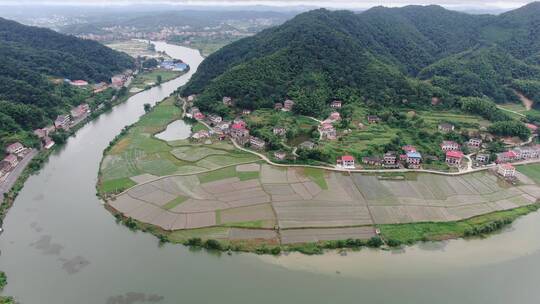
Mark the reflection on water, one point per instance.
(176, 130)
(520, 240)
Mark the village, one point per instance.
(17, 156)
(469, 156)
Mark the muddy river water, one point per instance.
(60, 245)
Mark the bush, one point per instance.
(374, 242)
(393, 243)
(212, 245)
(195, 242)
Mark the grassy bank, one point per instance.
(3, 283)
(392, 235)
(475, 226)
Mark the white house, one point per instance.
(506, 170)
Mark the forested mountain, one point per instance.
(383, 55)
(29, 56)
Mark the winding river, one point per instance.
(61, 246)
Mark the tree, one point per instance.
(147, 107)
(159, 79)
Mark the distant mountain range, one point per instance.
(29, 56)
(382, 55)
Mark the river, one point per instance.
(60, 245)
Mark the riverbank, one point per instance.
(42, 156)
(200, 193)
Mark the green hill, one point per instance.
(29, 56)
(383, 55)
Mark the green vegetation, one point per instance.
(117, 185)
(317, 176)
(29, 58)
(175, 202)
(479, 225)
(383, 56)
(3, 283)
(243, 176)
(3, 280)
(216, 175)
(531, 170)
(248, 224)
(136, 151)
(510, 128)
(146, 79)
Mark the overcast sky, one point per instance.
(352, 4)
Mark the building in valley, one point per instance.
(239, 133)
(474, 143)
(346, 162)
(257, 143)
(446, 127)
(80, 111)
(482, 158)
(506, 170)
(280, 155)
(16, 149)
(414, 160)
(62, 122)
(373, 119)
(390, 159)
(449, 145)
(288, 105)
(454, 158)
(336, 104)
(279, 131)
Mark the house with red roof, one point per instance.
(408, 148)
(198, 116)
(9, 162)
(531, 127)
(239, 133)
(15, 148)
(507, 156)
(334, 116)
(80, 111)
(454, 158)
(79, 83)
(346, 162)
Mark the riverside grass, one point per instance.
(431, 231)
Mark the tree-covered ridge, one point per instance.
(48, 52)
(29, 57)
(383, 55)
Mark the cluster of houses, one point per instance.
(15, 152)
(235, 129)
(519, 154)
(77, 114)
(410, 158)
